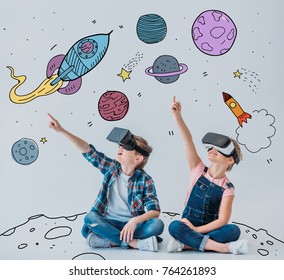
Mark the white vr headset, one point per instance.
(223, 144)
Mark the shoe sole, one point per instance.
(155, 244)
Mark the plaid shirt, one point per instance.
(141, 188)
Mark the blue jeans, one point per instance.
(110, 229)
(195, 240)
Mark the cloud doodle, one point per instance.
(256, 134)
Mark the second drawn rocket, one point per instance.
(236, 108)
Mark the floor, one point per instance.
(48, 238)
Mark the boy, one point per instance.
(118, 216)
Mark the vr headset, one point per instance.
(223, 144)
(123, 137)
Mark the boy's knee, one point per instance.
(159, 224)
(91, 218)
(85, 231)
(154, 226)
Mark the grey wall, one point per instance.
(60, 182)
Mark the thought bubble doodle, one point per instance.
(256, 134)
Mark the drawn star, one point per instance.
(237, 74)
(124, 74)
(43, 140)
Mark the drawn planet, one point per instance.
(214, 32)
(25, 151)
(166, 69)
(151, 28)
(113, 105)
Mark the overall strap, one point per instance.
(205, 170)
(230, 185)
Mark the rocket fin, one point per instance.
(243, 118)
(54, 64)
(72, 87)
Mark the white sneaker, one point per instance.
(174, 245)
(148, 244)
(96, 241)
(239, 247)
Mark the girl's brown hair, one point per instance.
(142, 143)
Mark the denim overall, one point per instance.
(202, 208)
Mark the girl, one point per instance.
(204, 224)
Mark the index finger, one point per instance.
(174, 99)
(51, 117)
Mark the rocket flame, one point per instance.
(45, 88)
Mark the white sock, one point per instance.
(239, 247)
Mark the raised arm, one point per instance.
(191, 153)
(79, 143)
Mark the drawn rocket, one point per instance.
(81, 58)
(236, 108)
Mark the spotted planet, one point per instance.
(166, 69)
(113, 105)
(214, 32)
(151, 28)
(25, 151)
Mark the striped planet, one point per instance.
(151, 28)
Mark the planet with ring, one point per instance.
(166, 69)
